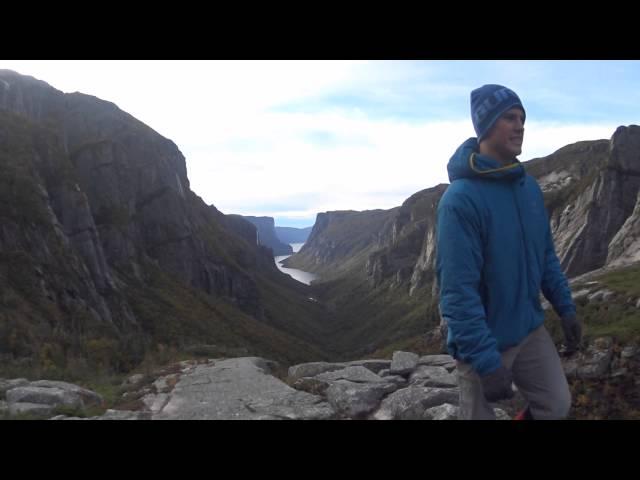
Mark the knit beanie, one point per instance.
(488, 103)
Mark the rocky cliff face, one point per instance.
(267, 236)
(591, 189)
(94, 202)
(408, 252)
(341, 241)
(131, 199)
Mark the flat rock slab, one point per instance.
(239, 389)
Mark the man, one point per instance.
(495, 253)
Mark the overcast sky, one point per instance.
(289, 139)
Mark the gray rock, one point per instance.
(594, 362)
(595, 366)
(37, 409)
(352, 374)
(403, 363)
(442, 412)
(376, 366)
(87, 397)
(436, 360)
(123, 415)
(638, 303)
(312, 369)
(4, 407)
(355, 400)
(110, 415)
(501, 414)
(410, 403)
(625, 246)
(9, 384)
(50, 396)
(432, 376)
(396, 379)
(155, 403)
(452, 412)
(162, 385)
(311, 385)
(239, 389)
(629, 352)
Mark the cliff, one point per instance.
(267, 236)
(107, 253)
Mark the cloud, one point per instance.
(387, 161)
(292, 138)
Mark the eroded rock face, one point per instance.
(266, 235)
(93, 201)
(591, 190)
(625, 245)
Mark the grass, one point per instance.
(625, 281)
(368, 322)
(617, 317)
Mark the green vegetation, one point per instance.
(625, 281)
(368, 322)
(618, 317)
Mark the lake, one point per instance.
(299, 275)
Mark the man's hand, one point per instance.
(572, 332)
(497, 384)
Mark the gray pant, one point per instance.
(537, 373)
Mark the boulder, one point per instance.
(355, 400)
(36, 409)
(312, 369)
(441, 412)
(403, 363)
(431, 376)
(410, 403)
(352, 374)
(376, 366)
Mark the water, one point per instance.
(299, 275)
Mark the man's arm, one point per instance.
(459, 263)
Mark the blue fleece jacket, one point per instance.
(495, 253)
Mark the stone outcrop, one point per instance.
(596, 200)
(96, 213)
(236, 389)
(42, 397)
(247, 388)
(267, 236)
(340, 242)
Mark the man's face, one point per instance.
(507, 134)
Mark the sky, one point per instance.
(290, 139)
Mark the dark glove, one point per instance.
(497, 384)
(572, 332)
